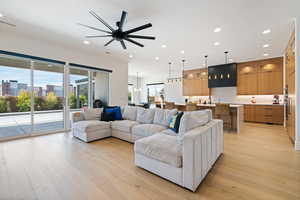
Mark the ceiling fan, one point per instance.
(119, 34)
(4, 22)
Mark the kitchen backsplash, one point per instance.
(223, 95)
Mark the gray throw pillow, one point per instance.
(145, 116)
(129, 113)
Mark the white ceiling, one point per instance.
(181, 25)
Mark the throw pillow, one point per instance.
(177, 122)
(145, 116)
(108, 116)
(172, 122)
(116, 110)
(92, 114)
(163, 116)
(130, 113)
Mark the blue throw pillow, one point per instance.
(116, 111)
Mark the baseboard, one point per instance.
(297, 145)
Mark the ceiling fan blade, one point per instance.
(134, 42)
(97, 29)
(9, 24)
(97, 36)
(101, 20)
(138, 28)
(122, 21)
(141, 37)
(123, 44)
(110, 41)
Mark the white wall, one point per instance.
(297, 31)
(16, 42)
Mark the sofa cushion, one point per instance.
(123, 125)
(163, 116)
(129, 113)
(191, 120)
(160, 147)
(92, 114)
(91, 125)
(145, 116)
(169, 132)
(145, 130)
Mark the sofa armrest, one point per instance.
(77, 116)
(201, 148)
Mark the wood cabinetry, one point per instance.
(273, 114)
(290, 84)
(247, 78)
(263, 77)
(195, 83)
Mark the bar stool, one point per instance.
(191, 107)
(222, 111)
(170, 105)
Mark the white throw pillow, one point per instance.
(92, 114)
(163, 116)
(129, 113)
(145, 116)
(191, 120)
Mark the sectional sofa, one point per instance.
(184, 158)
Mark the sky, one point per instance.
(41, 78)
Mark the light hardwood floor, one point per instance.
(259, 163)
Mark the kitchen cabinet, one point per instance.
(195, 83)
(273, 114)
(247, 79)
(262, 77)
(270, 77)
(290, 64)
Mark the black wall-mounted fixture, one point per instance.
(222, 75)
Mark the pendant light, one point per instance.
(137, 88)
(169, 78)
(181, 78)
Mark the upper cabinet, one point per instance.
(195, 83)
(247, 79)
(263, 77)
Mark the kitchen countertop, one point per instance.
(263, 104)
(214, 105)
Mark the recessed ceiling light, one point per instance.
(266, 45)
(86, 42)
(182, 51)
(130, 56)
(156, 58)
(163, 46)
(217, 43)
(266, 31)
(1, 15)
(266, 54)
(218, 29)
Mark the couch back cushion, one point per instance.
(92, 114)
(191, 120)
(129, 113)
(145, 116)
(163, 116)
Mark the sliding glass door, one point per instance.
(38, 95)
(49, 97)
(15, 101)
